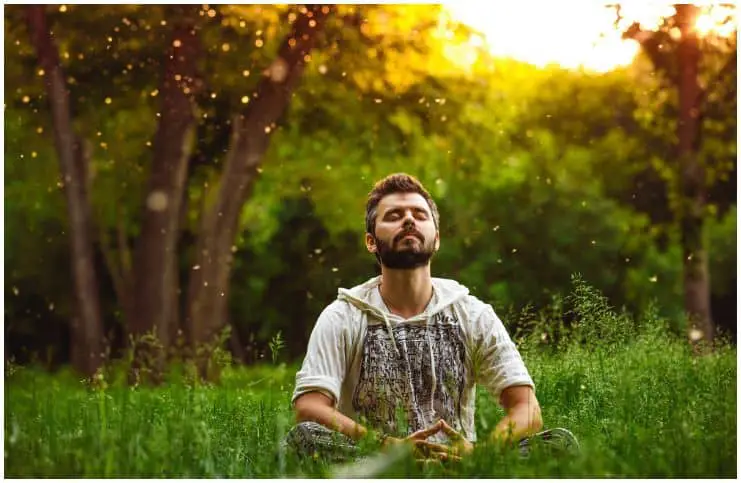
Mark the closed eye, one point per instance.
(395, 214)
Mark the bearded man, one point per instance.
(401, 354)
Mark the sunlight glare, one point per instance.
(542, 33)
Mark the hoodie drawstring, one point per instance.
(391, 333)
(432, 366)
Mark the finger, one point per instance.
(447, 429)
(446, 457)
(424, 433)
(432, 446)
(441, 457)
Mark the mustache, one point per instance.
(407, 232)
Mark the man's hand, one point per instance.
(424, 450)
(459, 445)
(427, 451)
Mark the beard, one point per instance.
(401, 256)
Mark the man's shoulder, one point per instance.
(474, 306)
(339, 311)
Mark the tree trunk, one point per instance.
(87, 327)
(156, 280)
(209, 283)
(235, 344)
(118, 263)
(692, 181)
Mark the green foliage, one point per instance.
(538, 173)
(583, 318)
(276, 345)
(595, 322)
(721, 236)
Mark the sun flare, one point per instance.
(574, 34)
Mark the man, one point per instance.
(408, 348)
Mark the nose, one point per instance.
(408, 218)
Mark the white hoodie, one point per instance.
(382, 369)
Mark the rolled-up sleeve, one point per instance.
(324, 366)
(501, 365)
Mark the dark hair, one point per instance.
(391, 184)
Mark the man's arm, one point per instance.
(315, 406)
(523, 414)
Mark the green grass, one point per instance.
(646, 408)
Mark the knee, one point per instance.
(309, 437)
(304, 434)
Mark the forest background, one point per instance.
(179, 177)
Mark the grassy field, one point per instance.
(644, 408)
(641, 402)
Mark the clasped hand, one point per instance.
(426, 450)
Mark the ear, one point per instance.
(437, 241)
(370, 243)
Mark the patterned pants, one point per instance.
(310, 439)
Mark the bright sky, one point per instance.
(572, 34)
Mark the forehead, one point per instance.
(402, 200)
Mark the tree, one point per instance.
(148, 291)
(152, 301)
(87, 333)
(209, 284)
(692, 177)
(676, 52)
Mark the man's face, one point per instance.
(405, 236)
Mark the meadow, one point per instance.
(641, 401)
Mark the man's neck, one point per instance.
(406, 292)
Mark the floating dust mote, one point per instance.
(157, 201)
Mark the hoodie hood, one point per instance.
(445, 292)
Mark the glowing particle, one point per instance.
(157, 201)
(696, 334)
